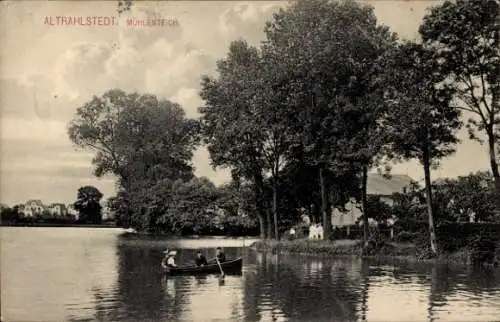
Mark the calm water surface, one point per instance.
(79, 274)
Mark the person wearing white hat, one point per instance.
(169, 259)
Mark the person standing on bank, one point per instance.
(169, 259)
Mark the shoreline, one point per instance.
(51, 225)
(144, 235)
(405, 252)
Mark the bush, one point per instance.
(453, 236)
(483, 249)
(406, 237)
(355, 232)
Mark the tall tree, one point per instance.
(241, 125)
(466, 34)
(271, 105)
(88, 204)
(135, 137)
(226, 124)
(366, 92)
(326, 53)
(421, 122)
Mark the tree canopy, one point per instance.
(135, 136)
(300, 120)
(421, 122)
(465, 35)
(88, 204)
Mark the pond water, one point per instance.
(89, 274)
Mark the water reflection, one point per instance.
(450, 286)
(81, 275)
(289, 287)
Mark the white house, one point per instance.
(32, 208)
(71, 211)
(106, 212)
(377, 185)
(57, 209)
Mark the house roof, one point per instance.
(33, 201)
(57, 204)
(379, 185)
(441, 181)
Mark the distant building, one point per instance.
(71, 211)
(377, 185)
(106, 212)
(32, 208)
(57, 209)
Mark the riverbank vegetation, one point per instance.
(464, 243)
(299, 121)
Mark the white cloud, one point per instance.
(81, 69)
(247, 20)
(190, 100)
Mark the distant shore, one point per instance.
(106, 225)
(353, 248)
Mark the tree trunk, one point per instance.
(324, 206)
(364, 202)
(269, 224)
(428, 192)
(495, 107)
(275, 210)
(263, 214)
(262, 226)
(494, 169)
(315, 213)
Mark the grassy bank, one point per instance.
(401, 251)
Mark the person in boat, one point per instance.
(200, 260)
(219, 254)
(169, 259)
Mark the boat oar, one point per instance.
(220, 267)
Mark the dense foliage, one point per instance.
(300, 120)
(466, 38)
(88, 205)
(421, 123)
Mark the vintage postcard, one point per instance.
(303, 160)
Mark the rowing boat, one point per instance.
(230, 267)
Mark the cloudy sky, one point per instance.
(46, 72)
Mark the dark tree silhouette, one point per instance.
(88, 205)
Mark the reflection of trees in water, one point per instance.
(443, 280)
(174, 301)
(142, 292)
(309, 289)
(481, 279)
(252, 289)
(300, 289)
(447, 280)
(365, 289)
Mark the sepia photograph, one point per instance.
(295, 160)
